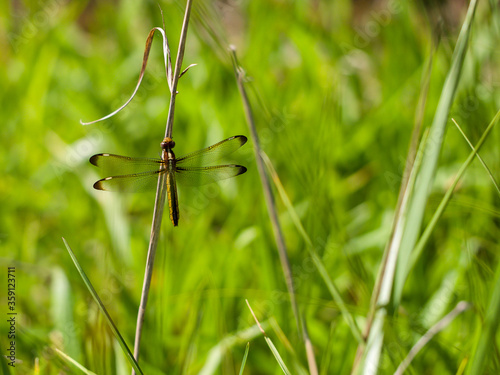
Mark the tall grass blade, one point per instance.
(370, 351)
(312, 252)
(161, 190)
(411, 212)
(273, 216)
(101, 306)
(427, 171)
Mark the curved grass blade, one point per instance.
(147, 49)
(112, 325)
(185, 70)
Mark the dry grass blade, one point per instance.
(167, 57)
(153, 243)
(271, 209)
(147, 49)
(161, 190)
(177, 69)
(185, 70)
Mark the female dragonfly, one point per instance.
(141, 174)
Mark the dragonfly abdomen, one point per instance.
(173, 203)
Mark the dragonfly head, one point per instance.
(167, 143)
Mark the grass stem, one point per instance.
(160, 191)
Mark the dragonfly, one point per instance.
(141, 174)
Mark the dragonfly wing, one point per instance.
(138, 182)
(205, 175)
(212, 153)
(123, 165)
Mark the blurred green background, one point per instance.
(335, 88)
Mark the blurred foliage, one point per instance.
(335, 89)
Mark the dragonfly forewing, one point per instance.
(212, 153)
(117, 165)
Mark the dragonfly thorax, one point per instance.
(167, 143)
(166, 146)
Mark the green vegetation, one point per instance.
(337, 90)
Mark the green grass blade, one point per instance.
(486, 341)
(478, 157)
(243, 363)
(4, 366)
(217, 353)
(269, 343)
(336, 295)
(112, 325)
(433, 331)
(447, 197)
(312, 253)
(277, 355)
(327, 354)
(68, 359)
(427, 171)
(411, 214)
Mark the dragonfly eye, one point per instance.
(167, 143)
